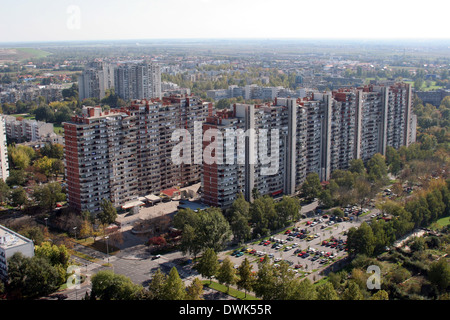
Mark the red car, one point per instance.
(308, 223)
(301, 253)
(287, 232)
(324, 242)
(298, 266)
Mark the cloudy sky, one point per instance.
(45, 20)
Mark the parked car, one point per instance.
(235, 252)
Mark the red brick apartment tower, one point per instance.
(72, 165)
(221, 182)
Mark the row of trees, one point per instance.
(357, 185)
(418, 211)
(278, 282)
(106, 285)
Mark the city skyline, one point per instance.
(79, 20)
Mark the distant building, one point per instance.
(433, 97)
(138, 80)
(95, 80)
(10, 243)
(21, 130)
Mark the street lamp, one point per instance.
(46, 227)
(75, 230)
(107, 249)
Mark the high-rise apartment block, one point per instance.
(131, 80)
(4, 166)
(124, 154)
(319, 133)
(95, 79)
(140, 80)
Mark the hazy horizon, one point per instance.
(26, 21)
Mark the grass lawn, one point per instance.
(26, 116)
(29, 53)
(58, 129)
(232, 292)
(440, 223)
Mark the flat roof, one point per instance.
(193, 205)
(132, 204)
(10, 239)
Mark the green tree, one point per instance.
(361, 240)
(18, 197)
(226, 273)
(54, 151)
(18, 157)
(201, 230)
(305, 290)
(245, 276)
(352, 292)
(195, 290)
(174, 288)
(29, 278)
(4, 191)
(376, 167)
(108, 214)
(263, 215)
(264, 286)
(16, 178)
(208, 264)
(49, 195)
(312, 188)
(44, 165)
(239, 219)
(156, 286)
(380, 295)
(288, 209)
(439, 273)
(326, 198)
(357, 166)
(326, 292)
(44, 113)
(58, 256)
(393, 160)
(106, 285)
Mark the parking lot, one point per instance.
(308, 246)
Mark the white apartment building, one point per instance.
(10, 243)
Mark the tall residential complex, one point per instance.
(320, 133)
(4, 166)
(138, 80)
(124, 154)
(131, 80)
(95, 79)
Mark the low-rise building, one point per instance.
(10, 243)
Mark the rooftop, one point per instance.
(10, 239)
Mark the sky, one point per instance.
(67, 20)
